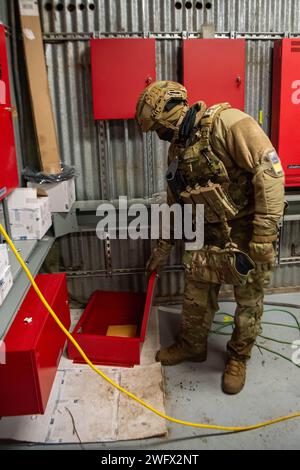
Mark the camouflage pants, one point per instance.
(201, 301)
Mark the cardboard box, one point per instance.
(29, 215)
(23, 198)
(39, 86)
(4, 261)
(62, 195)
(6, 282)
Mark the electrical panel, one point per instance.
(9, 171)
(214, 71)
(286, 107)
(121, 69)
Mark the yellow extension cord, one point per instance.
(121, 389)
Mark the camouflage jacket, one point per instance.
(256, 185)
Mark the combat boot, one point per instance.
(234, 376)
(177, 353)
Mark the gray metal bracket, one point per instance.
(65, 223)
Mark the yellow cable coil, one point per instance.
(114, 384)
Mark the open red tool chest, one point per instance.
(110, 309)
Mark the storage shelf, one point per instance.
(33, 253)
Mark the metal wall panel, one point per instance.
(113, 158)
(3, 12)
(164, 15)
(69, 73)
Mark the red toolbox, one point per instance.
(9, 178)
(34, 344)
(108, 309)
(286, 107)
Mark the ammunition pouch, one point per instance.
(214, 265)
(217, 204)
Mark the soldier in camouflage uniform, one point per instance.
(227, 147)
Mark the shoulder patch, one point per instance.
(275, 164)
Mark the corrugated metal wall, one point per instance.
(112, 158)
(3, 12)
(123, 161)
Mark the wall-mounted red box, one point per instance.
(107, 309)
(286, 107)
(34, 344)
(121, 69)
(214, 71)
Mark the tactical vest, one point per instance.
(199, 166)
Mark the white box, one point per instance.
(6, 283)
(62, 195)
(23, 198)
(4, 261)
(31, 224)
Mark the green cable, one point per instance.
(271, 310)
(259, 346)
(285, 311)
(279, 324)
(224, 325)
(217, 331)
(278, 354)
(275, 340)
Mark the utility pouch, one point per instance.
(214, 265)
(217, 205)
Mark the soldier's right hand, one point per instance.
(159, 257)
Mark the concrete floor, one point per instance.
(193, 393)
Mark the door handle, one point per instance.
(149, 80)
(238, 80)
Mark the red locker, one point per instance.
(214, 71)
(34, 344)
(121, 69)
(286, 107)
(9, 172)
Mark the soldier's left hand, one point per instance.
(263, 254)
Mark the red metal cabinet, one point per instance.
(286, 107)
(34, 344)
(9, 172)
(113, 308)
(214, 71)
(121, 69)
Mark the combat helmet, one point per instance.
(162, 104)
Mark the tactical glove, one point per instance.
(263, 254)
(159, 257)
